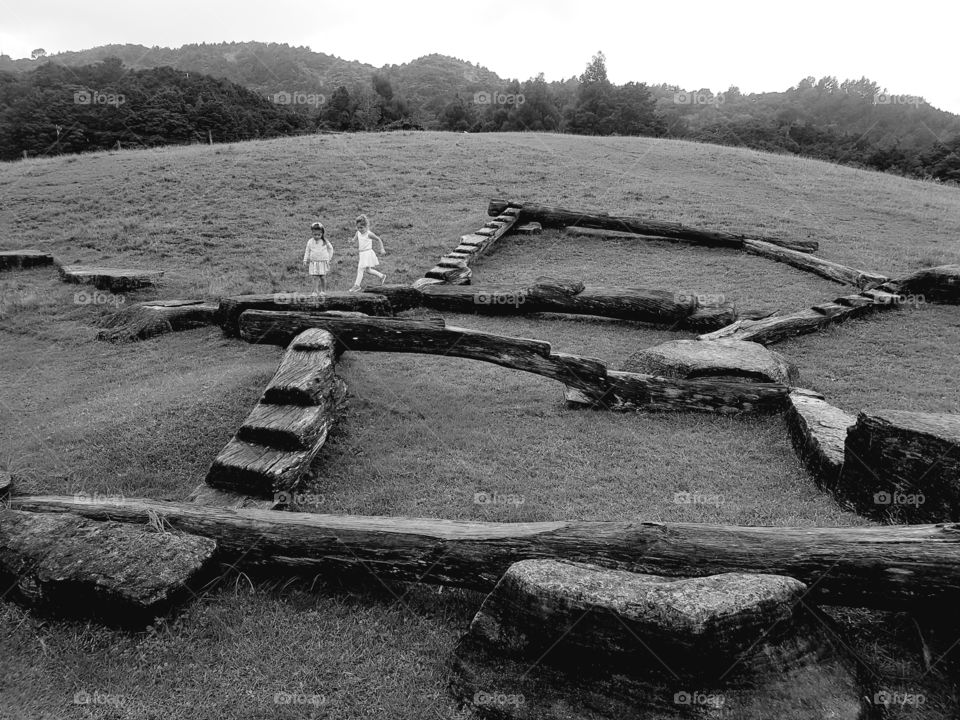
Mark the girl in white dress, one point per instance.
(317, 258)
(368, 258)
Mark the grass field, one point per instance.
(422, 434)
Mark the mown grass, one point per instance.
(422, 435)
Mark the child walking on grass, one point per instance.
(368, 258)
(317, 258)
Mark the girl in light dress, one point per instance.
(367, 262)
(317, 258)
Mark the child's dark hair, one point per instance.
(363, 219)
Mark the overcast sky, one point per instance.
(907, 48)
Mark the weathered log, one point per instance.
(636, 391)
(414, 336)
(203, 494)
(110, 279)
(228, 315)
(778, 327)
(23, 259)
(811, 263)
(559, 217)
(401, 297)
(708, 318)
(156, 317)
(116, 573)
(530, 228)
(286, 429)
(608, 644)
(500, 299)
(690, 359)
(818, 432)
(885, 567)
(903, 466)
(939, 284)
(453, 275)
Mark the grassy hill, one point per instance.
(423, 434)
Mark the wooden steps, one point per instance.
(454, 268)
(285, 430)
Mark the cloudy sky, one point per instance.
(907, 48)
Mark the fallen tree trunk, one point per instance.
(156, 317)
(778, 327)
(811, 263)
(559, 217)
(228, 314)
(415, 336)
(885, 567)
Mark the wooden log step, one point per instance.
(448, 261)
(530, 228)
(23, 259)
(115, 573)
(903, 466)
(939, 284)
(818, 431)
(494, 224)
(881, 567)
(109, 279)
(831, 309)
(204, 494)
(824, 268)
(459, 255)
(306, 373)
(156, 317)
(610, 644)
(559, 217)
(228, 314)
(474, 240)
(452, 275)
(260, 470)
(466, 251)
(287, 427)
(485, 232)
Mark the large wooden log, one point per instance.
(228, 315)
(811, 263)
(23, 259)
(939, 284)
(560, 217)
(283, 434)
(887, 567)
(778, 327)
(110, 279)
(415, 336)
(903, 466)
(116, 573)
(156, 317)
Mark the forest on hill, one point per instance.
(234, 91)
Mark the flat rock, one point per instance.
(559, 639)
(21, 259)
(110, 279)
(690, 359)
(939, 284)
(903, 466)
(818, 431)
(116, 573)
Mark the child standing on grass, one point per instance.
(368, 258)
(317, 258)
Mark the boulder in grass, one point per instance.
(568, 640)
(903, 466)
(116, 573)
(691, 359)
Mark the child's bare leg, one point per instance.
(323, 285)
(316, 283)
(356, 283)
